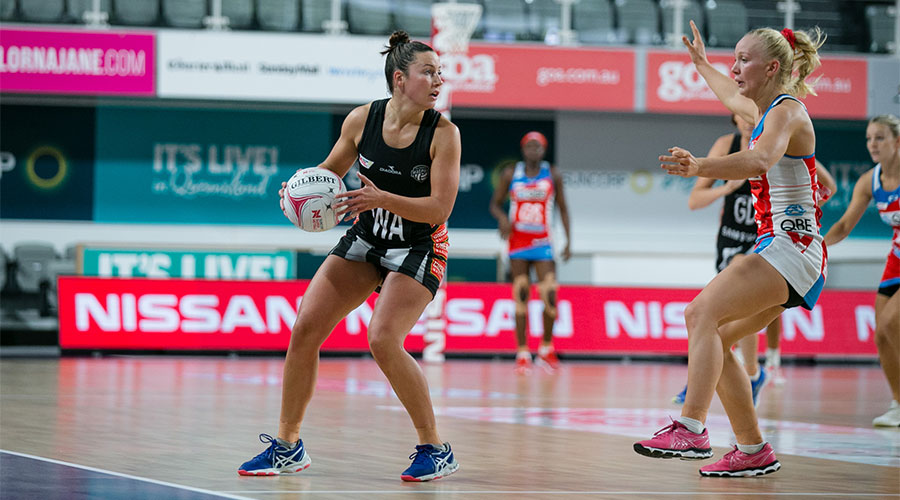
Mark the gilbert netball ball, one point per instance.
(309, 199)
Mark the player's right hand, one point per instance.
(505, 228)
(696, 47)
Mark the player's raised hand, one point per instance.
(359, 200)
(696, 47)
(679, 162)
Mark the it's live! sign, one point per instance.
(106, 313)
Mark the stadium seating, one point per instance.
(32, 260)
(7, 9)
(279, 15)
(505, 20)
(3, 264)
(75, 9)
(240, 13)
(414, 16)
(55, 269)
(691, 12)
(545, 17)
(593, 20)
(42, 11)
(638, 21)
(136, 12)
(370, 17)
(726, 22)
(315, 13)
(880, 20)
(184, 13)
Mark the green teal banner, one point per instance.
(841, 147)
(46, 162)
(226, 264)
(488, 146)
(200, 166)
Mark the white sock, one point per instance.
(750, 449)
(754, 378)
(523, 354)
(286, 444)
(773, 356)
(544, 350)
(694, 426)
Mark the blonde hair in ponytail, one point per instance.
(797, 63)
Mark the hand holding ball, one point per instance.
(308, 199)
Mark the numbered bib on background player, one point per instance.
(309, 198)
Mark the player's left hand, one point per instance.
(679, 162)
(281, 195)
(566, 253)
(359, 200)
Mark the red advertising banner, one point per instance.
(674, 86)
(109, 313)
(77, 62)
(541, 77)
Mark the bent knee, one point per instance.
(306, 336)
(381, 346)
(886, 333)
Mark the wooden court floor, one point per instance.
(178, 427)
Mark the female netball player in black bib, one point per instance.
(408, 158)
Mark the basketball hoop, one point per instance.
(452, 25)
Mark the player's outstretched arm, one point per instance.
(704, 192)
(722, 85)
(827, 185)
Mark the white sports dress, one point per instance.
(787, 219)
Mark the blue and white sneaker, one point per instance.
(679, 398)
(758, 384)
(430, 463)
(276, 459)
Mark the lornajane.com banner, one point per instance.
(96, 313)
(77, 62)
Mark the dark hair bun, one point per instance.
(398, 37)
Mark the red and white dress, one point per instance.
(787, 220)
(888, 205)
(531, 213)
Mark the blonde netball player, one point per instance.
(881, 184)
(787, 268)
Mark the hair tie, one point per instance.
(789, 35)
(534, 136)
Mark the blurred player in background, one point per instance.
(882, 184)
(408, 158)
(533, 187)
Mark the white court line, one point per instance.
(557, 492)
(127, 476)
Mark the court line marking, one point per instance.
(127, 476)
(556, 492)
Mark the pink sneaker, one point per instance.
(736, 463)
(548, 360)
(523, 364)
(676, 441)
